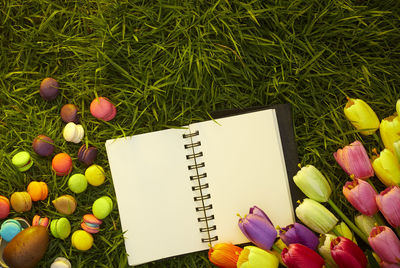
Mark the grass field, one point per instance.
(168, 63)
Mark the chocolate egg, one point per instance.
(21, 201)
(62, 164)
(49, 89)
(69, 113)
(87, 155)
(103, 109)
(43, 145)
(27, 248)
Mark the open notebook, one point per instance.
(178, 190)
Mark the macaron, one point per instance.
(65, 204)
(102, 207)
(103, 109)
(95, 175)
(43, 145)
(49, 89)
(69, 113)
(9, 229)
(38, 190)
(87, 155)
(37, 220)
(21, 201)
(4, 207)
(61, 262)
(62, 164)
(73, 132)
(82, 240)
(22, 161)
(91, 224)
(77, 183)
(60, 228)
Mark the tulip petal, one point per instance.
(299, 256)
(388, 202)
(347, 254)
(259, 231)
(361, 195)
(385, 244)
(257, 211)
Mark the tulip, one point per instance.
(324, 249)
(316, 216)
(361, 195)
(347, 254)
(385, 243)
(299, 256)
(343, 230)
(365, 223)
(312, 183)
(224, 255)
(254, 257)
(298, 233)
(387, 169)
(390, 131)
(389, 265)
(354, 160)
(258, 228)
(361, 116)
(398, 106)
(388, 202)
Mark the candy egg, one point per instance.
(62, 164)
(9, 229)
(43, 145)
(91, 224)
(103, 109)
(87, 155)
(61, 262)
(95, 175)
(82, 240)
(69, 113)
(65, 204)
(73, 133)
(37, 220)
(49, 89)
(4, 207)
(37, 190)
(27, 248)
(22, 161)
(77, 183)
(102, 207)
(21, 201)
(60, 228)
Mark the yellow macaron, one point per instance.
(95, 175)
(82, 240)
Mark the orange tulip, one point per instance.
(224, 255)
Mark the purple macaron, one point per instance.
(43, 145)
(49, 89)
(87, 155)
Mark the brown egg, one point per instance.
(27, 248)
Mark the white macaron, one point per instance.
(73, 132)
(61, 262)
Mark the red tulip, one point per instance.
(347, 254)
(388, 202)
(385, 244)
(361, 195)
(299, 256)
(224, 255)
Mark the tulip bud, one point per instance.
(299, 256)
(324, 249)
(361, 116)
(388, 202)
(258, 228)
(361, 195)
(387, 169)
(390, 131)
(224, 255)
(354, 160)
(365, 223)
(345, 231)
(312, 183)
(385, 243)
(254, 257)
(298, 233)
(316, 216)
(347, 254)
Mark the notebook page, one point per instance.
(245, 167)
(154, 195)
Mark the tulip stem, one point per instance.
(373, 186)
(277, 248)
(379, 219)
(397, 229)
(348, 222)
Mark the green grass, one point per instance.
(169, 63)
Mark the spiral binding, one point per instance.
(200, 187)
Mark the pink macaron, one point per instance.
(91, 224)
(103, 109)
(37, 220)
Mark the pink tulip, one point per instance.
(361, 195)
(354, 160)
(388, 202)
(385, 244)
(389, 265)
(347, 254)
(299, 256)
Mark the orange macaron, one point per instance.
(62, 164)
(38, 190)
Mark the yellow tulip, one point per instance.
(390, 131)
(361, 116)
(254, 257)
(386, 168)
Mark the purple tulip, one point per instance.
(258, 228)
(299, 234)
(361, 195)
(388, 202)
(385, 243)
(354, 160)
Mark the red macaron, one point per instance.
(4, 207)
(103, 109)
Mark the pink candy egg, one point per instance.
(103, 109)
(62, 164)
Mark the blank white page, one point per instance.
(245, 167)
(154, 195)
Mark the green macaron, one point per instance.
(60, 228)
(102, 207)
(22, 161)
(77, 183)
